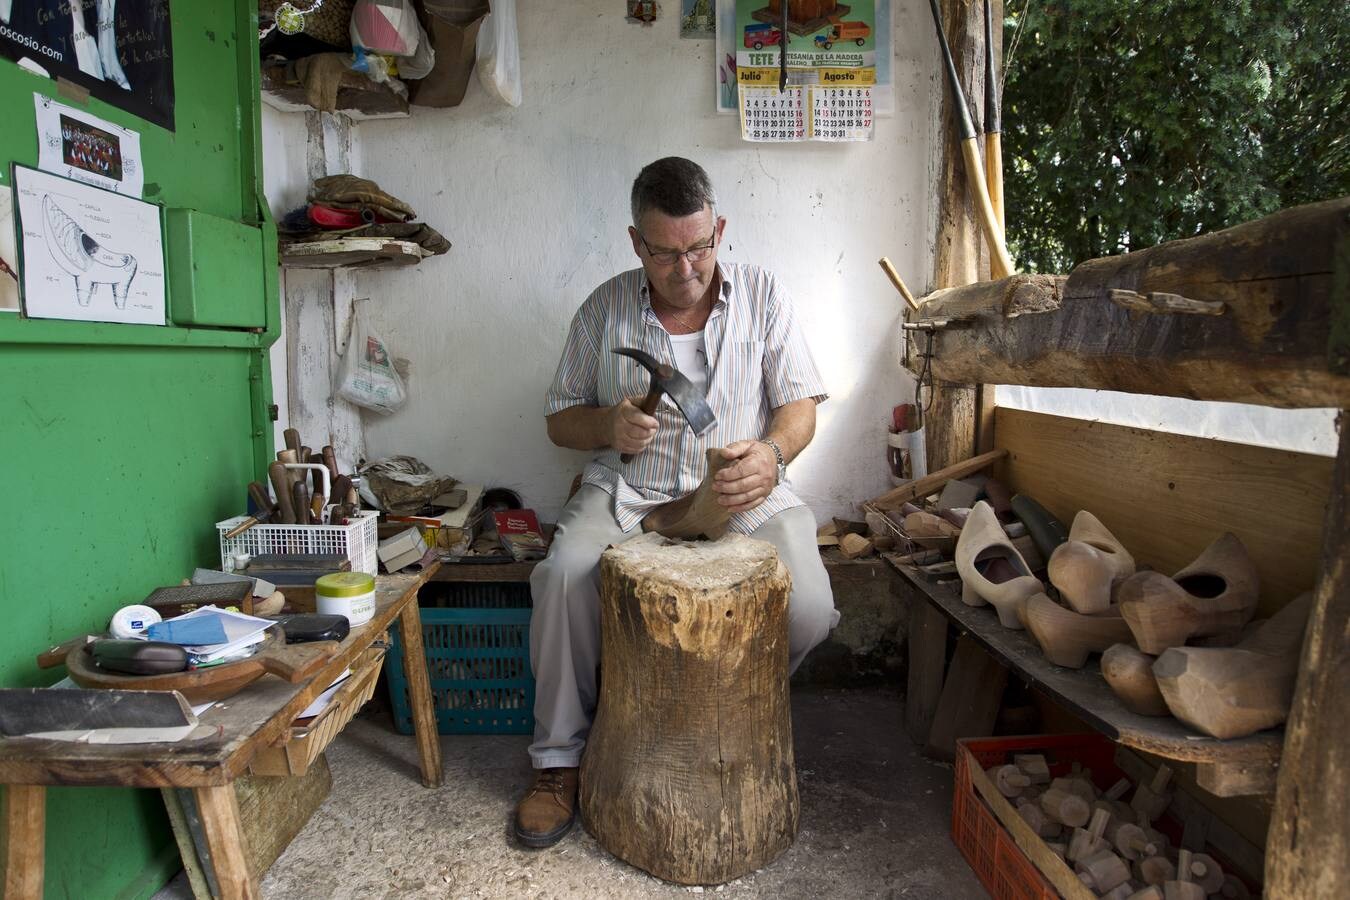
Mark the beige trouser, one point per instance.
(565, 624)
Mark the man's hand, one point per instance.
(745, 483)
(630, 429)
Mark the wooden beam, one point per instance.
(931, 484)
(1308, 849)
(1240, 315)
(970, 699)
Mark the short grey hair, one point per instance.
(675, 186)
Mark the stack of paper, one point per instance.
(210, 634)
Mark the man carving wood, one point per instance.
(730, 329)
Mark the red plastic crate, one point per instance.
(1002, 867)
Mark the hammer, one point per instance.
(666, 380)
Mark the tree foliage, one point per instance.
(1131, 122)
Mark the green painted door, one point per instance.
(121, 445)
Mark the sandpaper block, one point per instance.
(95, 716)
(328, 562)
(261, 588)
(450, 499)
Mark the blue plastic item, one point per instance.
(193, 631)
(478, 660)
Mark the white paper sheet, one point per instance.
(9, 257)
(321, 702)
(74, 144)
(88, 254)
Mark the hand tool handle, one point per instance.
(648, 406)
(330, 460)
(258, 494)
(300, 502)
(241, 527)
(57, 655)
(292, 438)
(899, 283)
(1000, 263)
(298, 471)
(281, 486)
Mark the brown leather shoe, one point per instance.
(548, 809)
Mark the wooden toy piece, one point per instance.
(1105, 869)
(1183, 888)
(1149, 799)
(1065, 808)
(1207, 872)
(1009, 780)
(991, 569)
(1155, 870)
(1121, 891)
(1079, 784)
(1132, 843)
(1215, 594)
(1088, 565)
(1033, 766)
(1088, 841)
(1130, 675)
(1067, 637)
(1152, 892)
(1117, 790)
(1231, 692)
(1035, 817)
(1234, 889)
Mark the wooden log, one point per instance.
(1308, 847)
(1273, 276)
(688, 772)
(927, 665)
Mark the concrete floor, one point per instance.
(875, 820)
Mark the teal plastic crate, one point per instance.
(478, 659)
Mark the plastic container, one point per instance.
(350, 594)
(356, 541)
(478, 660)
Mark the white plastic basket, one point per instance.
(357, 540)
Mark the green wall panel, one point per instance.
(120, 445)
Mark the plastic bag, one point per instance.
(367, 376)
(386, 26)
(498, 52)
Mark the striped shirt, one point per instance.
(757, 360)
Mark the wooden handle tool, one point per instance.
(894, 276)
(281, 486)
(300, 502)
(292, 438)
(330, 460)
(258, 494)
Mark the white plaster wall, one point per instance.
(284, 184)
(535, 201)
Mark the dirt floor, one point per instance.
(875, 820)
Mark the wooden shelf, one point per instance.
(1238, 767)
(510, 572)
(352, 253)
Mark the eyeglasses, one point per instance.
(693, 254)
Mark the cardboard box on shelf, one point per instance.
(402, 549)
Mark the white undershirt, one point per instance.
(691, 358)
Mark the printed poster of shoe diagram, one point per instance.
(86, 253)
(839, 68)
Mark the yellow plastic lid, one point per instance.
(344, 584)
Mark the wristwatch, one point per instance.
(778, 455)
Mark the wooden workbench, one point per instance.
(244, 724)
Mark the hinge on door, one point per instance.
(273, 412)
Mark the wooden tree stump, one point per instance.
(689, 771)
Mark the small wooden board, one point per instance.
(351, 253)
(293, 663)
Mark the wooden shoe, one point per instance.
(991, 569)
(1085, 567)
(694, 515)
(1215, 594)
(1130, 675)
(1067, 637)
(1231, 692)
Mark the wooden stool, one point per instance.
(689, 771)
